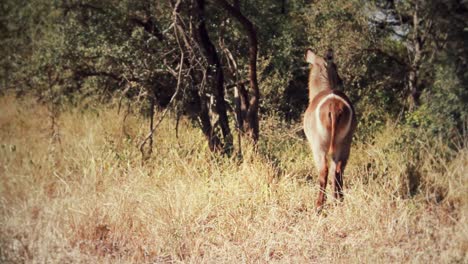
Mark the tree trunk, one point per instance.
(199, 98)
(214, 142)
(212, 58)
(236, 4)
(252, 119)
(413, 76)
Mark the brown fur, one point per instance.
(329, 131)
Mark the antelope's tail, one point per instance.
(331, 148)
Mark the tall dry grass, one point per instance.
(88, 198)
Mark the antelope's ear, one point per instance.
(310, 56)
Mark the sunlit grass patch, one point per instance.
(89, 198)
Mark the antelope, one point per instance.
(329, 123)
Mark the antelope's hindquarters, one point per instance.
(328, 125)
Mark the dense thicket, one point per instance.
(218, 61)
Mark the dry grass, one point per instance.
(89, 199)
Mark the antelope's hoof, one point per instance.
(338, 199)
(319, 207)
(318, 210)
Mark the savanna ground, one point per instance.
(86, 197)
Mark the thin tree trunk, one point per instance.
(214, 142)
(413, 76)
(150, 144)
(199, 98)
(252, 119)
(283, 7)
(213, 61)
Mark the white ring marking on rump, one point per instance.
(321, 128)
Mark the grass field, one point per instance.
(86, 197)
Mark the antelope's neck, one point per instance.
(318, 81)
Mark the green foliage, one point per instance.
(444, 113)
(91, 51)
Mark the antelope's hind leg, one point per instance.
(340, 160)
(322, 166)
(338, 181)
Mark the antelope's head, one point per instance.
(323, 70)
(318, 76)
(314, 60)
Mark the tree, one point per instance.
(251, 105)
(203, 58)
(214, 67)
(421, 26)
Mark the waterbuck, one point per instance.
(329, 123)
